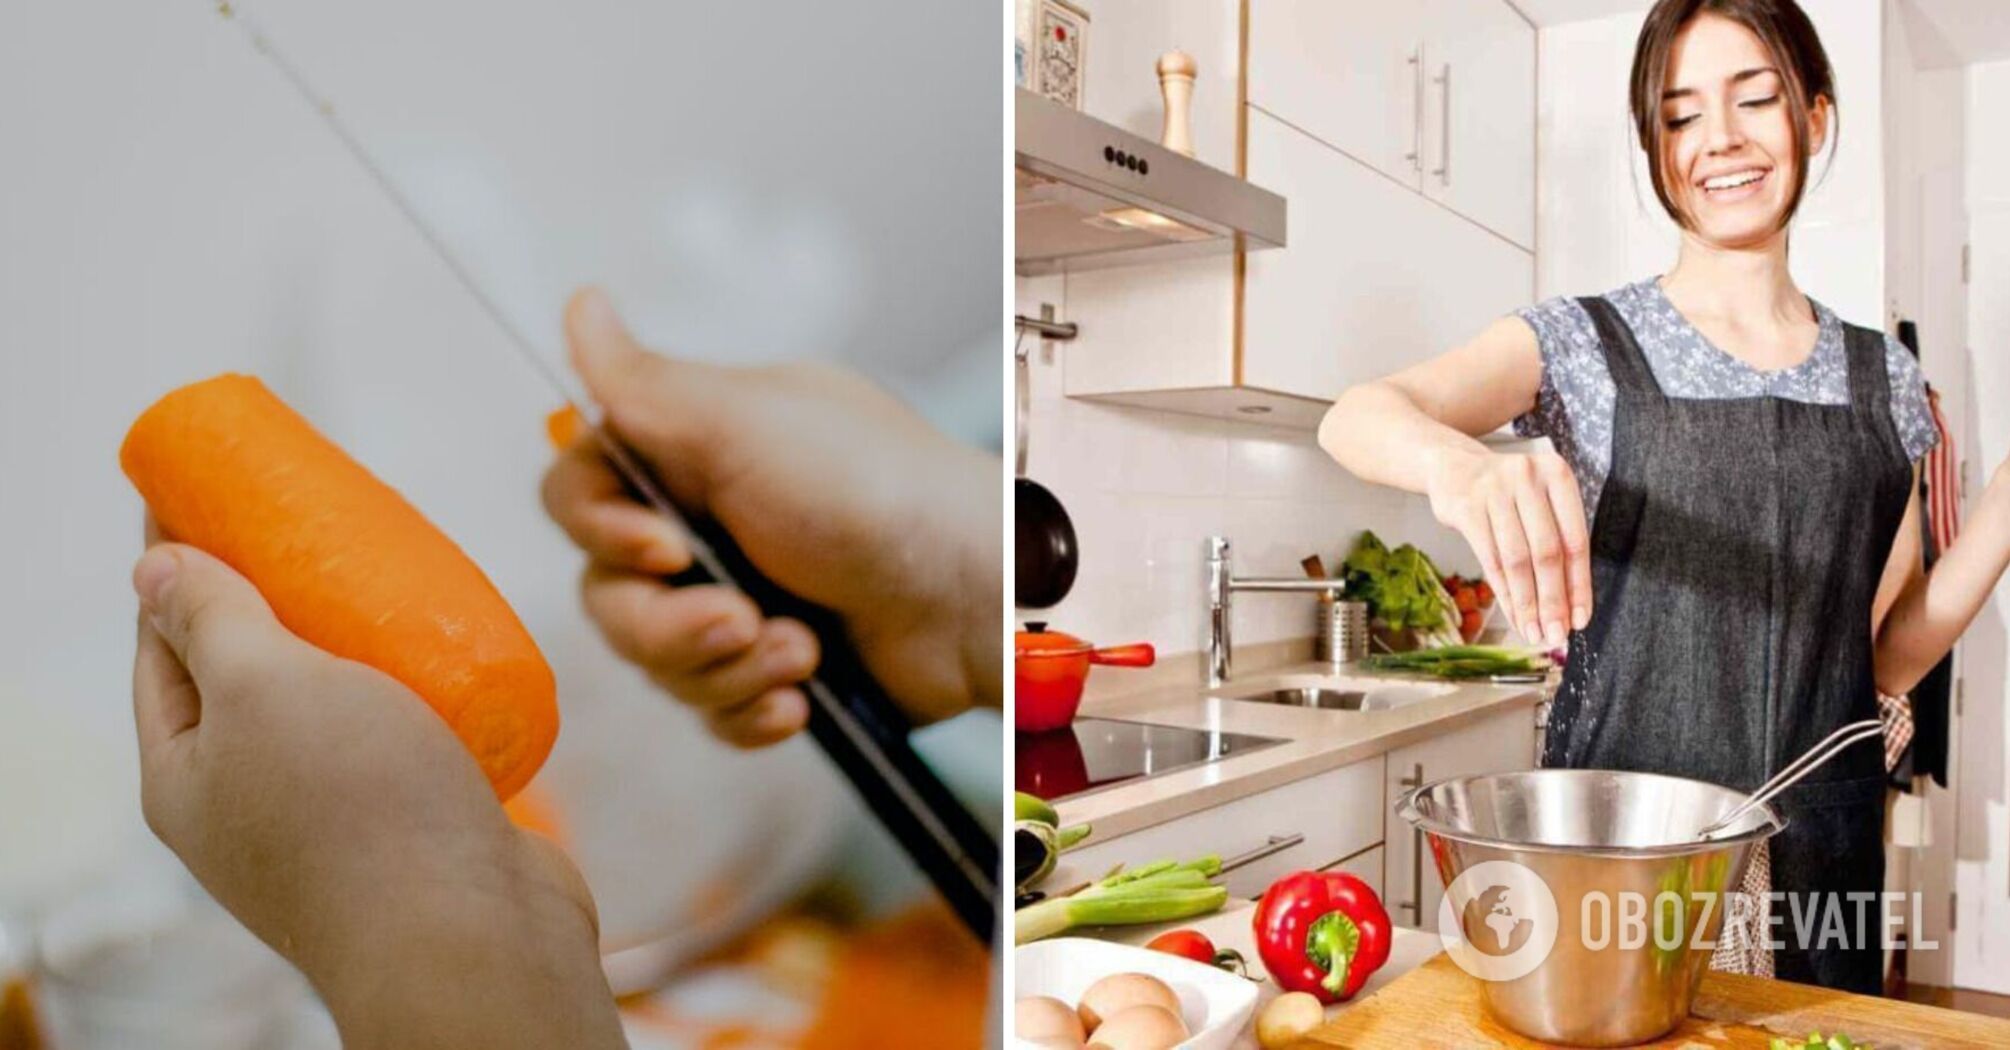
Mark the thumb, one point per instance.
(676, 413)
(212, 619)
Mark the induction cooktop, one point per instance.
(1096, 753)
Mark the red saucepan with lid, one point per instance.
(1049, 668)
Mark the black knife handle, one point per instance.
(943, 838)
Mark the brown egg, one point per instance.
(1141, 1027)
(1054, 1042)
(1109, 996)
(1038, 1018)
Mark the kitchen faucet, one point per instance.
(1222, 584)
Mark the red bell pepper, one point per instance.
(1322, 932)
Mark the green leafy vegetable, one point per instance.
(1402, 589)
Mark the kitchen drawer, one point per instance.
(1498, 744)
(1366, 866)
(1339, 813)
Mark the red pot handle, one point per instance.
(1140, 655)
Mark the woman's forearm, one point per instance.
(1930, 615)
(1382, 435)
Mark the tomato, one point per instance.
(1190, 944)
(1193, 944)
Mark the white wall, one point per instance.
(1144, 488)
(787, 180)
(1598, 224)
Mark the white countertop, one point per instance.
(1314, 740)
(1230, 928)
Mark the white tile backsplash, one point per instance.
(1145, 488)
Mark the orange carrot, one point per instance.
(346, 563)
(564, 427)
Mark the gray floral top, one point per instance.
(1575, 404)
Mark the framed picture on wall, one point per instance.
(1060, 51)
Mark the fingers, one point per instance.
(212, 621)
(585, 497)
(707, 645)
(1532, 541)
(1568, 505)
(677, 413)
(1481, 539)
(673, 630)
(166, 707)
(1545, 548)
(770, 718)
(784, 654)
(1517, 568)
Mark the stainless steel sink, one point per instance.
(1312, 696)
(1332, 693)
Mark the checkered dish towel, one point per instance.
(1741, 948)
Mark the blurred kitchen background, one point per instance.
(751, 182)
(1439, 164)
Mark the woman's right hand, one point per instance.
(1523, 517)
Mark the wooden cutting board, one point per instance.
(1438, 1005)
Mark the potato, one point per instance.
(1289, 1017)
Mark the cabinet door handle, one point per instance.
(1271, 847)
(1415, 905)
(1444, 169)
(1416, 154)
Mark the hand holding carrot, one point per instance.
(343, 822)
(833, 488)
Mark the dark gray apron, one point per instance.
(1736, 551)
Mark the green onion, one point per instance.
(1162, 891)
(1462, 661)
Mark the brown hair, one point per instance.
(1797, 52)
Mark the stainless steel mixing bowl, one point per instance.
(1625, 838)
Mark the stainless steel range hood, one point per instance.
(1090, 195)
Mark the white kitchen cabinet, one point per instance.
(1411, 194)
(1480, 113)
(1497, 744)
(1437, 96)
(1348, 74)
(1366, 866)
(1338, 814)
(1376, 278)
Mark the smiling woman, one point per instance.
(1729, 516)
(1753, 73)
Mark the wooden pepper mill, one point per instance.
(1176, 73)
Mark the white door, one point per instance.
(1349, 74)
(1377, 276)
(1480, 112)
(1411, 886)
(1982, 857)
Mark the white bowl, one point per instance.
(1214, 1003)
